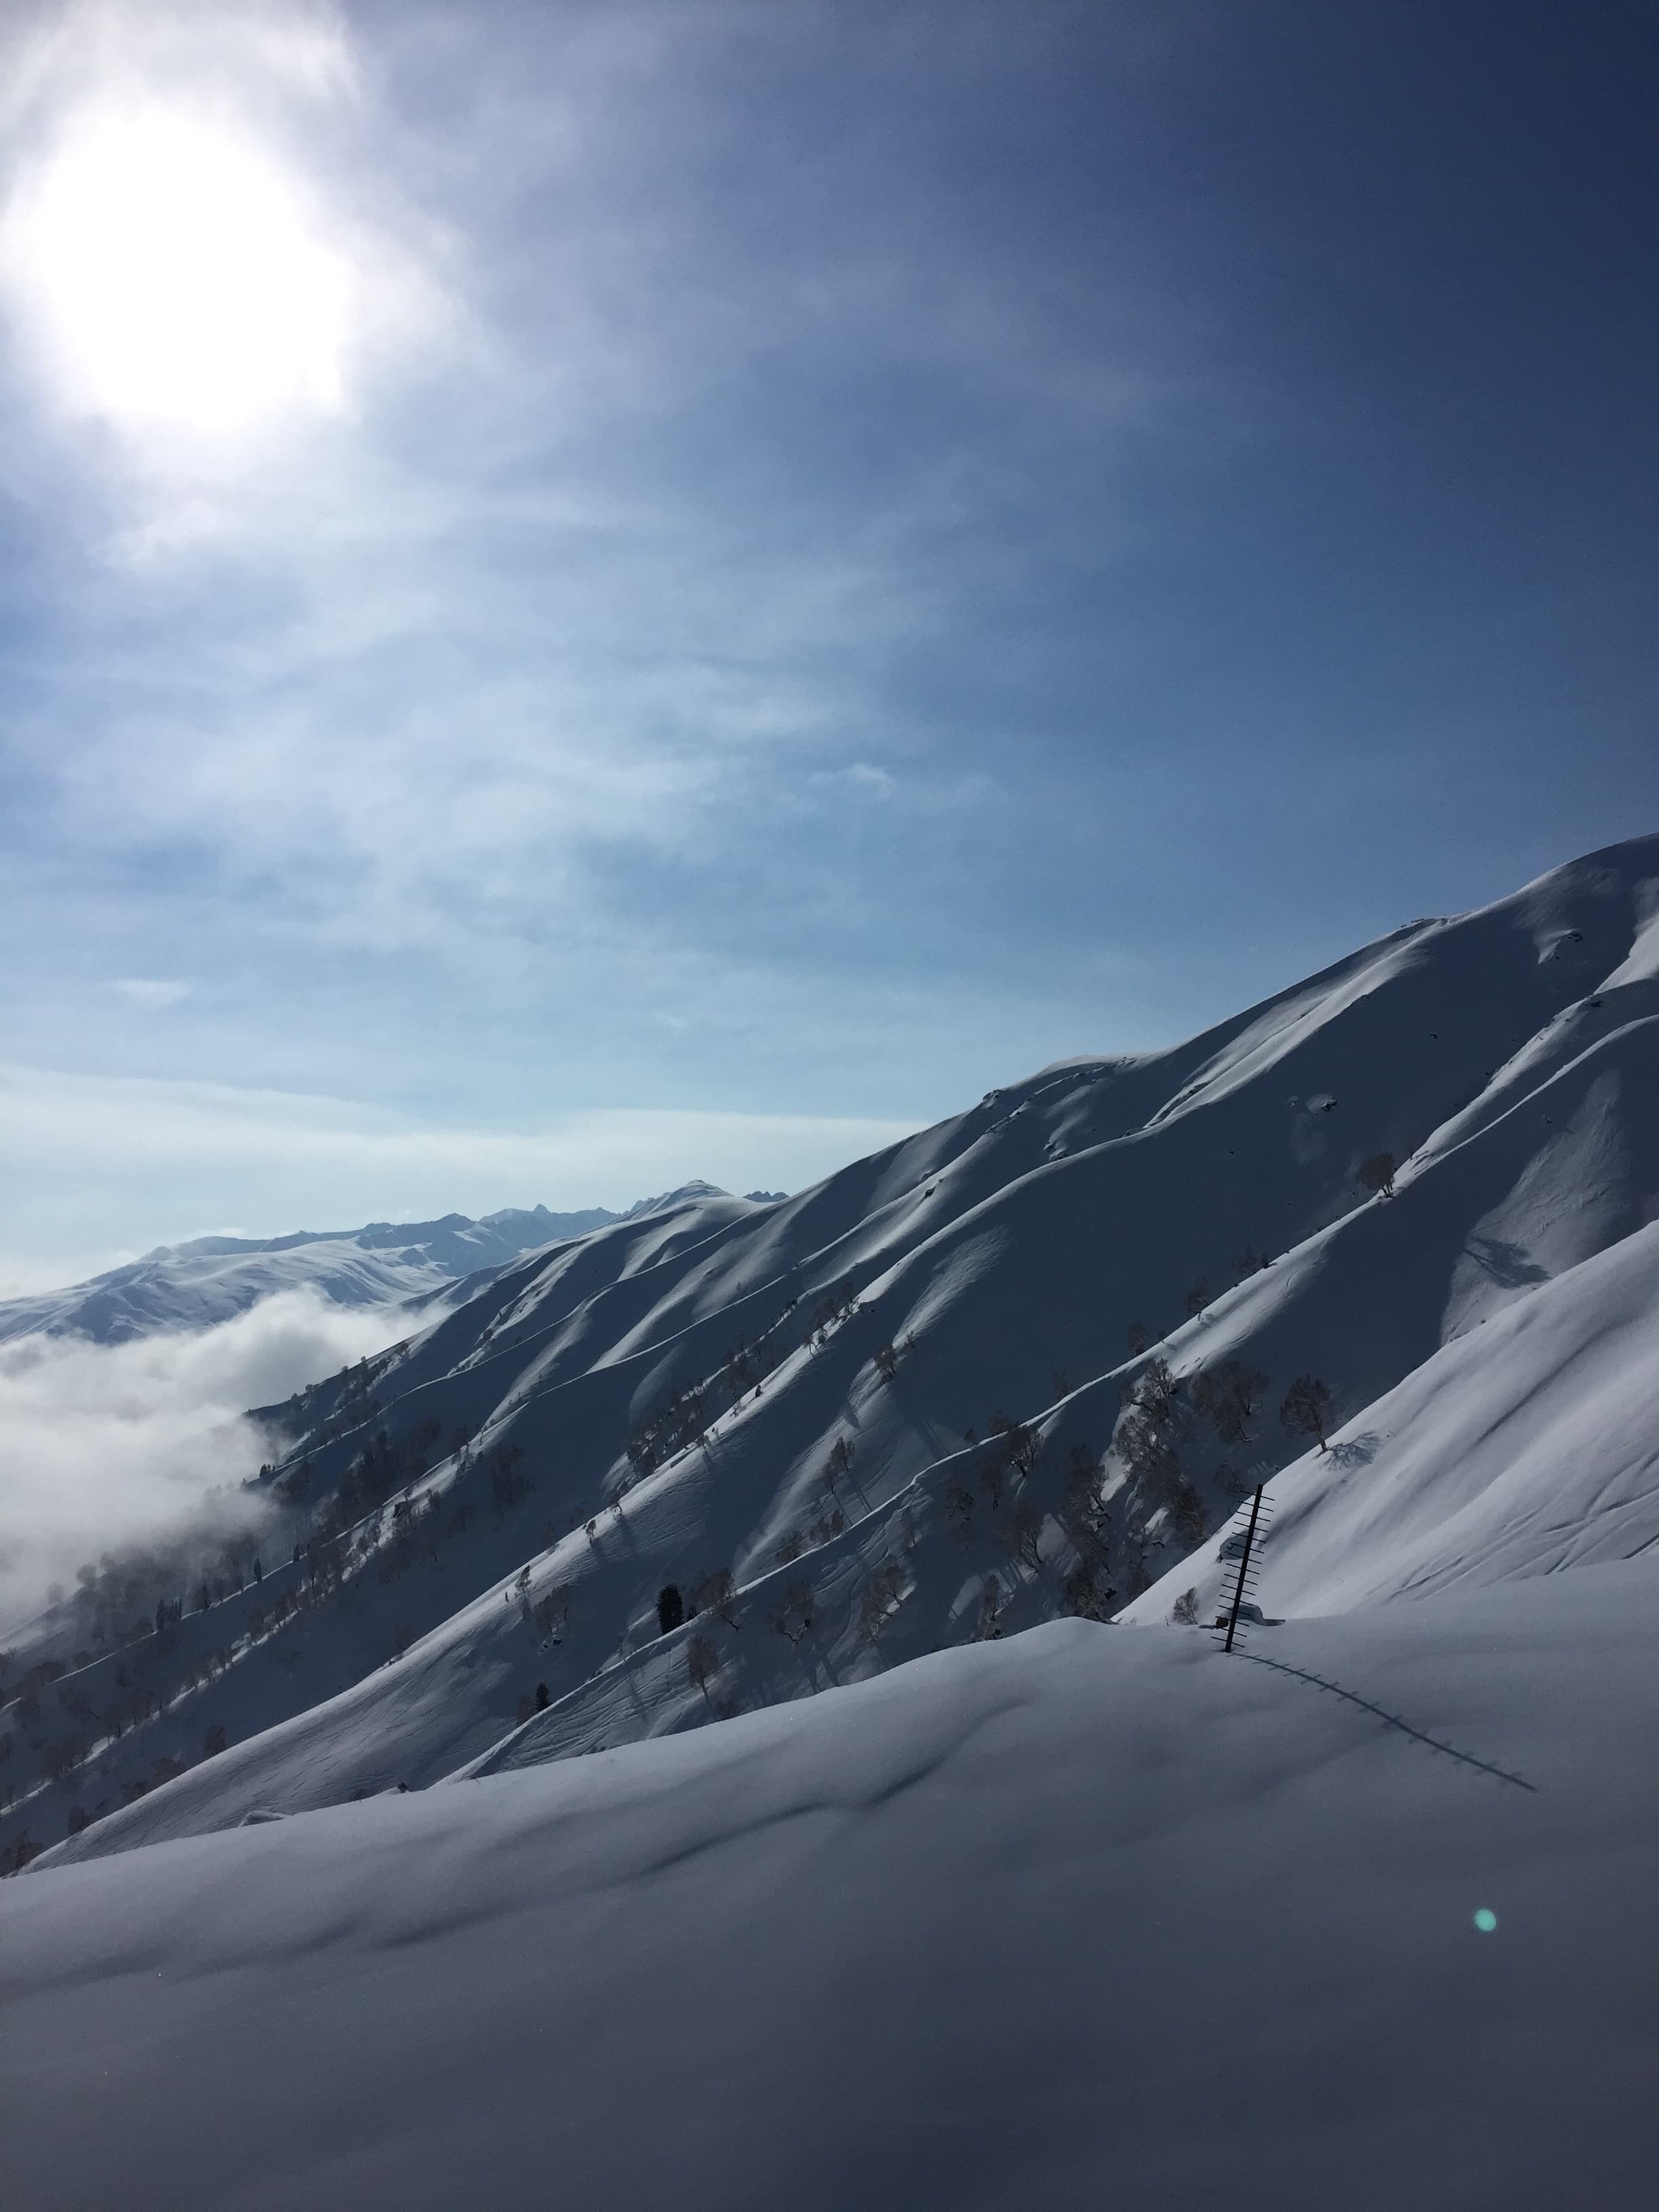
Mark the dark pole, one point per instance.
(1244, 1568)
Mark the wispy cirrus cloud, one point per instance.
(551, 583)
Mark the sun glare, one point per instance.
(178, 278)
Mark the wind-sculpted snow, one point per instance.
(1018, 1366)
(1095, 1916)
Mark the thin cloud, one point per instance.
(511, 635)
(153, 993)
(311, 1156)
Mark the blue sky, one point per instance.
(814, 558)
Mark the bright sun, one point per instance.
(179, 280)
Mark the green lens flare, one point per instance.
(1485, 1920)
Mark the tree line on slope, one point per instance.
(1070, 1542)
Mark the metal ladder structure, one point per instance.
(1244, 1584)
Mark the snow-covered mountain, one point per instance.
(1021, 1365)
(209, 1279)
(1357, 1913)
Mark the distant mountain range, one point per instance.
(210, 1279)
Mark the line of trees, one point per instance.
(685, 1418)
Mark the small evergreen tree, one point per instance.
(671, 1608)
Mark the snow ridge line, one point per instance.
(1393, 1719)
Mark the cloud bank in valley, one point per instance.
(109, 1445)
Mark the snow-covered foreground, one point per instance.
(1088, 1917)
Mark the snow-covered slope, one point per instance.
(1516, 1450)
(901, 1410)
(1088, 1919)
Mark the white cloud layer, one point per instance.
(113, 1444)
(152, 994)
(131, 1122)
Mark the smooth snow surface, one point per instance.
(1095, 1918)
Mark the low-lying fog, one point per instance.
(104, 1445)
